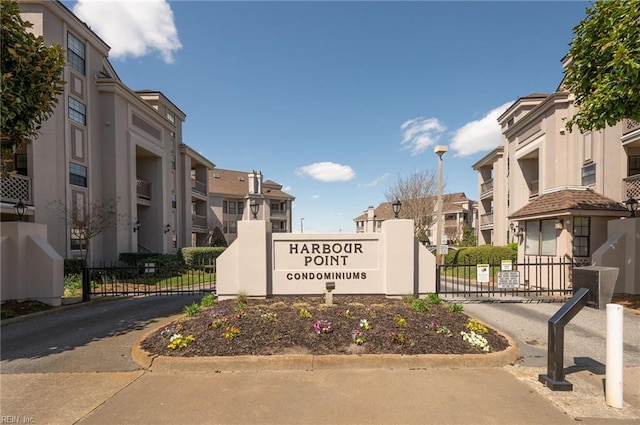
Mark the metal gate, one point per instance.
(148, 279)
(539, 278)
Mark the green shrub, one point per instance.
(199, 255)
(456, 308)
(433, 299)
(192, 310)
(207, 301)
(419, 305)
(484, 254)
(74, 266)
(136, 258)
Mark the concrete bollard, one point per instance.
(615, 366)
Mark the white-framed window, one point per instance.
(540, 237)
(76, 53)
(233, 226)
(589, 175)
(240, 208)
(77, 175)
(76, 242)
(77, 111)
(232, 207)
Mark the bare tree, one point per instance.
(418, 194)
(90, 220)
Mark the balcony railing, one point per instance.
(198, 187)
(632, 187)
(486, 187)
(143, 189)
(630, 125)
(199, 221)
(17, 188)
(486, 219)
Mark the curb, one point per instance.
(308, 362)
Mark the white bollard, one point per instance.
(614, 368)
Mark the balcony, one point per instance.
(631, 187)
(630, 126)
(199, 187)
(143, 189)
(17, 188)
(486, 221)
(199, 222)
(486, 189)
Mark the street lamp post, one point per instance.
(632, 206)
(439, 150)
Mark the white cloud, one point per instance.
(480, 135)
(133, 27)
(375, 181)
(315, 196)
(286, 189)
(420, 133)
(327, 172)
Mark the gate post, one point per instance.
(86, 285)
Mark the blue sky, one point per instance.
(336, 100)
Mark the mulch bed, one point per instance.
(13, 308)
(275, 326)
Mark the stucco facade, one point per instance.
(551, 190)
(106, 142)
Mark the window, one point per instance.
(21, 164)
(232, 207)
(224, 208)
(540, 237)
(587, 147)
(589, 175)
(174, 201)
(76, 241)
(77, 111)
(232, 227)
(240, 208)
(75, 53)
(77, 175)
(581, 233)
(634, 165)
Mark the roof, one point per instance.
(236, 183)
(565, 200)
(450, 203)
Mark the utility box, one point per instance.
(600, 281)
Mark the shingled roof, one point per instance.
(236, 183)
(567, 200)
(450, 204)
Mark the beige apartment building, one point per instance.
(458, 212)
(107, 142)
(553, 191)
(231, 194)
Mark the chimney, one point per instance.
(259, 182)
(252, 182)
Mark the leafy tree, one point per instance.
(418, 194)
(88, 221)
(31, 79)
(603, 71)
(468, 236)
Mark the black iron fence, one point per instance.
(148, 279)
(539, 277)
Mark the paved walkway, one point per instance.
(341, 390)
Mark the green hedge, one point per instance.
(74, 266)
(135, 258)
(484, 254)
(200, 254)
